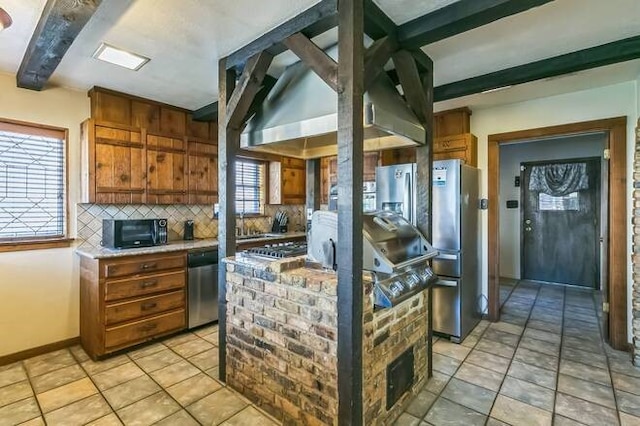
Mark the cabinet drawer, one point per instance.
(447, 144)
(139, 331)
(142, 265)
(125, 311)
(141, 286)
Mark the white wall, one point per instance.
(39, 298)
(604, 102)
(511, 156)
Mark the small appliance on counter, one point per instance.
(280, 223)
(368, 197)
(188, 230)
(394, 251)
(132, 233)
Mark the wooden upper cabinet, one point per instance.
(113, 164)
(452, 122)
(166, 167)
(202, 166)
(287, 181)
(140, 151)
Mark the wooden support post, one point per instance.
(313, 185)
(350, 168)
(424, 167)
(228, 146)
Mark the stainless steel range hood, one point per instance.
(299, 118)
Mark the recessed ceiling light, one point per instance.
(120, 57)
(5, 19)
(496, 89)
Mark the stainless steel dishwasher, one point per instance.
(202, 292)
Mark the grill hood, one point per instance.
(299, 117)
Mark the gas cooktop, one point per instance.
(279, 250)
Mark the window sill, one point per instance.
(23, 245)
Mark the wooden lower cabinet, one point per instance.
(128, 300)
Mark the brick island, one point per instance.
(282, 343)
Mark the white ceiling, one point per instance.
(185, 39)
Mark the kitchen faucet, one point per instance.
(242, 233)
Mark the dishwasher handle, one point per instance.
(202, 258)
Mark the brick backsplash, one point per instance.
(90, 217)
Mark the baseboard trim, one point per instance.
(19, 356)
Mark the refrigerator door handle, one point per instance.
(447, 256)
(408, 202)
(446, 283)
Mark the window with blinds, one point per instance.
(32, 182)
(250, 184)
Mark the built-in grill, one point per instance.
(394, 251)
(279, 250)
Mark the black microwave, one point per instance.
(129, 233)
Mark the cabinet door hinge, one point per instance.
(605, 307)
(607, 154)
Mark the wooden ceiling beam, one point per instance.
(457, 18)
(315, 58)
(593, 57)
(314, 21)
(59, 25)
(246, 89)
(376, 23)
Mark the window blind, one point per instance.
(249, 187)
(32, 185)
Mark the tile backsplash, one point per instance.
(206, 226)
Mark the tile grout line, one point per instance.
(165, 389)
(606, 355)
(439, 394)
(524, 327)
(35, 396)
(556, 391)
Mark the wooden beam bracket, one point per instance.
(412, 85)
(322, 64)
(376, 56)
(245, 91)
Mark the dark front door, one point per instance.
(560, 221)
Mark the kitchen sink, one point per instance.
(256, 236)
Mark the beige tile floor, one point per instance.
(544, 363)
(173, 382)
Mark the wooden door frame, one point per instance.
(616, 130)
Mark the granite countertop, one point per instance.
(177, 245)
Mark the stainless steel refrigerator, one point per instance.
(455, 234)
(396, 190)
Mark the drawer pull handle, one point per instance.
(148, 305)
(148, 327)
(149, 284)
(146, 266)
